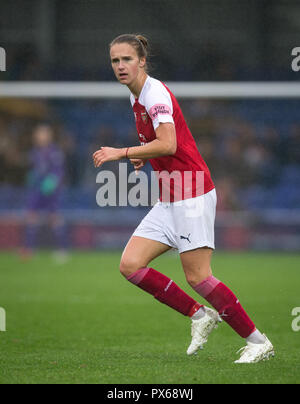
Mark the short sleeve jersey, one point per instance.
(184, 174)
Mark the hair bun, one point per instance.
(144, 40)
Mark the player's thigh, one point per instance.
(197, 264)
(139, 252)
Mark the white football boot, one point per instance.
(253, 353)
(202, 328)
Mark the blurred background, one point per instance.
(252, 146)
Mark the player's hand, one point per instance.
(108, 154)
(138, 163)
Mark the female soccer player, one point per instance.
(184, 216)
(45, 185)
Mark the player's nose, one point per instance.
(121, 66)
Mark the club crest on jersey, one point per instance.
(144, 117)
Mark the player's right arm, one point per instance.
(164, 145)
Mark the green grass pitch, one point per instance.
(81, 322)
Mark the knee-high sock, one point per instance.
(227, 304)
(164, 290)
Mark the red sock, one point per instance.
(164, 290)
(227, 304)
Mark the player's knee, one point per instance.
(193, 278)
(128, 266)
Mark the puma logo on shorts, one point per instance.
(186, 238)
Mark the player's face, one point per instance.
(126, 63)
(42, 136)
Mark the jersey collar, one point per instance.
(143, 89)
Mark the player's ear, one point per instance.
(142, 61)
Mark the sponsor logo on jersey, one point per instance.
(159, 109)
(143, 139)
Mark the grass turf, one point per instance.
(81, 322)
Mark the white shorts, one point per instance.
(184, 225)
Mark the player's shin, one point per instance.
(164, 290)
(227, 304)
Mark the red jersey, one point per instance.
(182, 175)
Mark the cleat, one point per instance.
(201, 330)
(253, 353)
